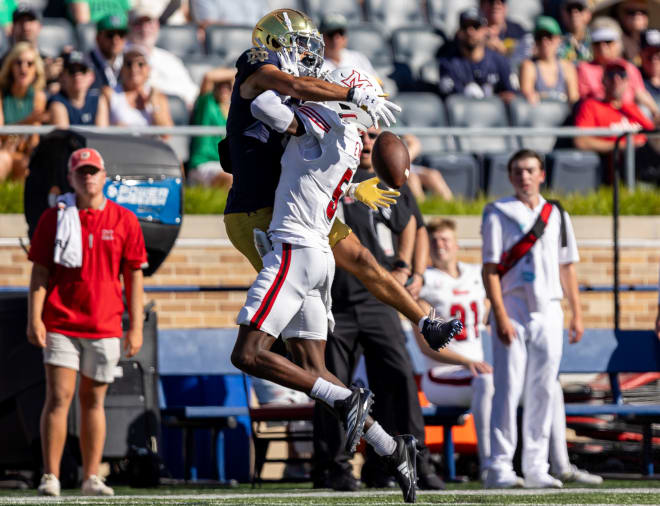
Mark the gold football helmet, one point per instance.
(295, 39)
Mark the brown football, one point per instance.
(391, 160)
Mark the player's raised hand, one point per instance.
(375, 105)
(370, 195)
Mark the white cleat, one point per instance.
(49, 485)
(492, 480)
(542, 481)
(95, 486)
(575, 475)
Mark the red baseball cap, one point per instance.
(84, 157)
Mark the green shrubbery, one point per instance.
(643, 201)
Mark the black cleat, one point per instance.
(353, 412)
(403, 465)
(439, 332)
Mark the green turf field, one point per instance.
(611, 492)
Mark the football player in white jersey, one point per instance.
(291, 295)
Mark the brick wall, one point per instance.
(221, 265)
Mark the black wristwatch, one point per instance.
(401, 264)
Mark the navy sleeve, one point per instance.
(253, 59)
(450, 81)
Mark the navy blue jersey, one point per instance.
(255, 149)
(83, 116)
(492, 74)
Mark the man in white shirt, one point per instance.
(168, 74)
(335, 38)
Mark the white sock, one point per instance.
(382, 443)
(328, 392)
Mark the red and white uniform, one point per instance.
(291, 295)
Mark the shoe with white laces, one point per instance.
(495, 480)
(49, 485)
(576, 475)
(542, 481)
(353, 412)
(95, 486)
(403, 465)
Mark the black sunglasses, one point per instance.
(571, 7)
(616, 72)
(636, 10)
(111, 34)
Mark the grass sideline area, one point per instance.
(643, 201)
(611, 492)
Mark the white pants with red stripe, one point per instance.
(291, 295)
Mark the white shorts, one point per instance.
(450, 389)
(291, 295)
(95, 358)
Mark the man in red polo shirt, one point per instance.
(75, 310)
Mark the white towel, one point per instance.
(68, 238)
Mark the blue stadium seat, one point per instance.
(572, 170)
(180, 40)
(424, 110)
(393, 14)
(497, 174)
(369, 40)
(228, 42)
(460, 171)
(415, 46)
(199, 65)
(489, 112)
(429, 72)
(351, 9)
(548, 113)
(55, 35)
(180, 116)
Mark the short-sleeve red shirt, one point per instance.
(594, 113)
(87, 301)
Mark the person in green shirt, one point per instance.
(211, 109)
(91, 11)
(7, 8)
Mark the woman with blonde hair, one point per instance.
(22, 102)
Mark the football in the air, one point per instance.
(391, 160)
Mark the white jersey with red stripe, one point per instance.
(316, 169)
(463, 298)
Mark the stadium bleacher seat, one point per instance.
(424, 110)
(351, 9)
(180, 116)
(55, 35)
(572, 170)
(86, 34)
(369, 40)
(429, 73)
(392, 14)
(460, 171)
(415, 46)
(548, 113)
(180, 40)
(199, 65)
(497, 174)
(452, 9)
(228, 42)
(435, 12)
(525, 12)
(488, 112)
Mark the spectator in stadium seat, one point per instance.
(211, 109)
(546, 77)
(75, 104)
(134, 102)
(335, 36)
(228, 12)
(75, 312)
(22, 101)
(576, 42)
(606, 44)
(614, 112)
(633, 16)
(470, 68)
(168, 73)
(91, 11)
(107, 56)
(651, 62)
(504, 35)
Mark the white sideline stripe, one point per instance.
(294, 495)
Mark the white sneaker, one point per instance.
(49, 485)
(542, 481)
(493, 480)
(575, 475)
(95, 486)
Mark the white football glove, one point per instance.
(377, 107)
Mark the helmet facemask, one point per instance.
(301, 54)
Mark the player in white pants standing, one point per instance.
(458, 375)
(528, 252)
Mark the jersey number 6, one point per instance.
(336, 195)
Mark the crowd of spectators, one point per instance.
(559, 55)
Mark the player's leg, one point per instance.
(239, 227)
(544, 347)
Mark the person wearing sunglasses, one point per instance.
(633, 16)
(651, 62)
(546, 77)
(22, 101)
(107, 57)
(575, 45)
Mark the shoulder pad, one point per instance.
(256, 57)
